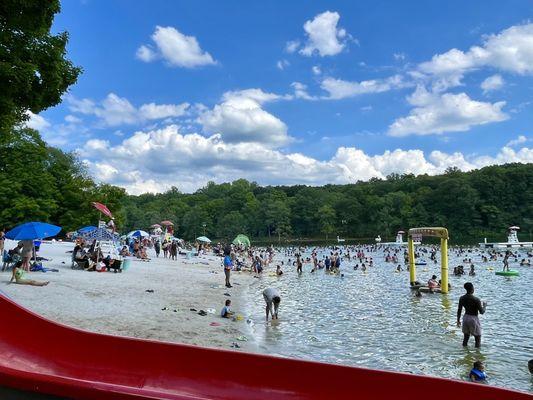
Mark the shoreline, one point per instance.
(121, 304)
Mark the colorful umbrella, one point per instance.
(32, 231)
(167, 223)
(102, 208)
(100, 234)
(203, 239)
(155, 226)
(242, 239)
(86, 229)
(138, 233)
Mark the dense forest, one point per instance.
(471, 205)
(41, 183)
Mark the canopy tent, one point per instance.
(32, 231)
(203, 239)
(102, 208)
(138, 233)
(242, 239)
(100, 234)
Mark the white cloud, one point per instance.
(510, 50)
(340, 89)
(115, 110)
(150, 161)
(519, 140)
(300, 91)
(436, 114)
(146, 54)
(399, 56)
(241, 118)
(37, 122)
(177, 49)
(493, 82)
(323, 36)
(292, 45)
(160, 111)
(282, 64)
(316, 70)
(72, 119)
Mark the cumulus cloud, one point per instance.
(511, 50)
(37, 122)
(340, 89)
(241, 118)
(115, 110)
(323, 35)
(316, 70)
(440, 113)
(151, 161)
(300, 91)
(177, 49)
(519, 140)
(493, 82)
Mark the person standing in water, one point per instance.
(271, 297)
(472, 306)
(298, 264)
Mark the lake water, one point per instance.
(373, 320)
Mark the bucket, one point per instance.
(126, 264)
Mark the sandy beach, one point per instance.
(119, 304)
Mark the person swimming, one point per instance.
(477, 374)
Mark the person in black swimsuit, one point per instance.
(472, 306)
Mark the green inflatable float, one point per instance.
(508, 273)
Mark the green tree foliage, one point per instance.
(471, 205)
(41, 183)
(34, 71)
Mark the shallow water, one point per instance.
(373, 320)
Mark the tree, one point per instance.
(327, 217)
(34, 70)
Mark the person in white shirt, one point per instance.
(271, 297)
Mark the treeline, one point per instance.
(43, 183)
(472, 205)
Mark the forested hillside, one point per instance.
(472, 205)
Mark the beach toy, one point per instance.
(126, 264)
(507, 273)
(239, 318)
(490, 269)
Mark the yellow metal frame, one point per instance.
(441, 233)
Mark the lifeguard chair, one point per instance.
(415, 235)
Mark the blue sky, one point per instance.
(181, 93)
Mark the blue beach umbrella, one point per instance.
(138, 233)
(32, 231)
(100, 234)
(86, 229)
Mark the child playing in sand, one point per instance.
(226, 311)
(477, 374)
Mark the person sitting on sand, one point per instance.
(279, 272)
(124, 252)
(477, 374)
(19, 276)
(472, 270)
(399, 268)
(271, 297)
(226, 311)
